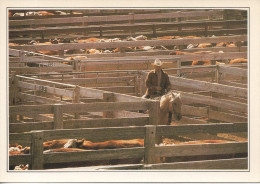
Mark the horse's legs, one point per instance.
(170, 118)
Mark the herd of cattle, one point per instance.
(173, 49)
(75, 145)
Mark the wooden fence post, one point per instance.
(13, 90)
(142, 83)
(76, 65)
(58, 116)
(154, 110)
(37, 150)
(136, 85)
(149, 144)
(21, 54)
(226, 16)
(217, 74)
(108, 97)
(179, 66)
(132, 21)
(76, 99)
(61, 53)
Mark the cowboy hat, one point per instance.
(157, 62)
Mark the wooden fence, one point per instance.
(134, 23)
(209, 94)
(149, 152)
(123, 60)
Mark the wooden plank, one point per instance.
(187, 120)
(99, 80)
(201, 149)
(31, 109)
(105, 106)
(229, 98)
(226, 117)
(129, 114)
(20, 138)
(104, 45)
(106, 122)
(124, 26)
(109, 154)
(212, 56)
(165, 58)
(235, 84)
(23, 70)
(19, 159)
(230, 164)
(233, 71)
(41, 81)
(52, 90)
(189, 98)
(40, 99)
(163, 130)
(207, 86)
(118, 89)
(128, 98)
(200, 75)
(88, 92)
(27, 127)
(110, 18)
(195, 111)
(97, 134)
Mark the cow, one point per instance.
(16, 149)
(44, 13)
(53, 144)
(238, 60)
(111, 144)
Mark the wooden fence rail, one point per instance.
(206, 86)
(125, 27)
(148, 133)
(112, 18)
(104, 45)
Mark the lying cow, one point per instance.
(112, 144)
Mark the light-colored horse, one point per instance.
(170, 107)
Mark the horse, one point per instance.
(170, 107)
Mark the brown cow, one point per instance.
(238, 60)
(55, 144)
(111, 144)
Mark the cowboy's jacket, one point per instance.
(151, 83)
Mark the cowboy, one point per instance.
(157, 81)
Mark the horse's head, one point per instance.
(175, 104)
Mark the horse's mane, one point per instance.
(164, 100)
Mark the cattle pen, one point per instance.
(90, 87)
